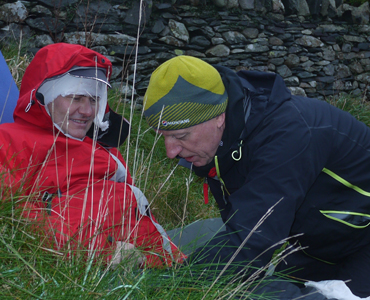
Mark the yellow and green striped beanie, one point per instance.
(183, 92)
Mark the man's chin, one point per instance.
(199, 164)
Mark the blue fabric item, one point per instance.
(8, 93)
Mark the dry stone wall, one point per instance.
(320, 48)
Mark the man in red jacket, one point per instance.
(61, 154)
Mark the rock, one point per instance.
(218, 50)
(208, 31)
(220, 3)
(299, 7)
(328, 54)
(98, 39)
(170, 40)
(41, 10)
(158, 26)
(234, 37)
(274, 54)
(274, 41)
(342, 71)
(297, 91)
(255, 48)
(360, 15)
(179, 30)
(315, 7)
(55, 4)
(138, 15)
(13, 12)
(232, 4)
(195, 22)
(331, 28)
(354, 38)
(14, 32)
(309, 41)
(40, 41)
(284, 71)
(364, 46)
(346, 48)
(305, 75)
(364, 29)
(250, 33)
(292, 60)
(200, 41)
(326, 79)
(329, 8)
(292, 81)
(277, 61)
(246, 4)
(217, 41)
(261, 41)
(278, 7)
(356, 68)
(46, 24)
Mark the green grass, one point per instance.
(30, 269)
(176, 195)
(356, 106)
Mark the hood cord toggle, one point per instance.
(32, 102)
(236, 152)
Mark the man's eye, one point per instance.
(74, 97)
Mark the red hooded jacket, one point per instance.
(72, 186)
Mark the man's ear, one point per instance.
(220, 119)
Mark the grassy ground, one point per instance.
(29, 269)
(176, 195)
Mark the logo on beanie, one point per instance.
(165, 123)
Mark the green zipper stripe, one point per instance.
(345, 223)
(346, 183)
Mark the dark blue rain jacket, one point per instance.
(312, 157)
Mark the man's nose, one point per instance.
(87, 107)
(172, 147)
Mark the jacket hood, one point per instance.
(268, 88)
(52, 61)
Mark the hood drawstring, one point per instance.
(32, 102)
(238, 152)
(223, 185)
(214, 173)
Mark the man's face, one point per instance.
(74, 114)
(197, 144)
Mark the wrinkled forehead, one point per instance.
(175, 133)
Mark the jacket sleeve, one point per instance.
(281, 160)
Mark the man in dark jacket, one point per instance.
(259, 147)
